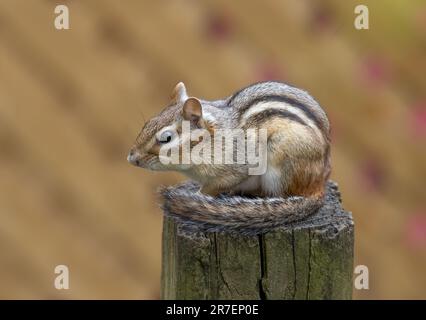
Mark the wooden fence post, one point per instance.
(309, 259)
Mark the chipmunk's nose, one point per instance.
(134, 158)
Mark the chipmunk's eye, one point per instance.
(166, 136)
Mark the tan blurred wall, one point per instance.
(72, 102)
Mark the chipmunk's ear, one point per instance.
(192, 111)
(179, 93)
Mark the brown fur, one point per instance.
(298, 145)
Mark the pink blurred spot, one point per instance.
(268, 71)
(374, 72)
(415, 230)
(420, 19)
(219, 27)
(417, 120)
(372, 175)
(322, 19)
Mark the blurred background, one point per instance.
(72, 102)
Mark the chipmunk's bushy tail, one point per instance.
(235, 213)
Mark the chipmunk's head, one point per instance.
(154, 144)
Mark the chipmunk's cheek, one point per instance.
(157, 166)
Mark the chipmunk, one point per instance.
(298, 149)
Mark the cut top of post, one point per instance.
(185, 204)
